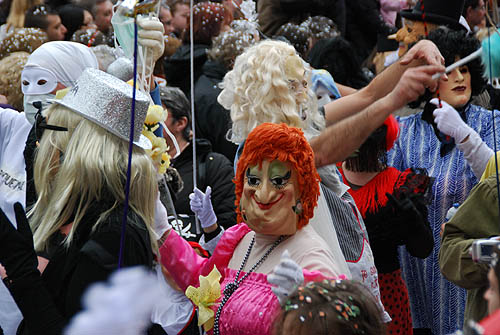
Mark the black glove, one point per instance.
(407, 213)
(17, 253)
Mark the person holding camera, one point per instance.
(477, 218)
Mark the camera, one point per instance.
(483, 250)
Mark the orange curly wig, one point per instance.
(270, 141)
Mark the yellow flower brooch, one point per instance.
(206, 296)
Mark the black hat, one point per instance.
(441, 12)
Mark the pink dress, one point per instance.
(252, 307)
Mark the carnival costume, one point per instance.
(393, 206)
(86, 247)
(336, 217)
(245, 258)
(16, 172)
(388, 227)
(418, 147)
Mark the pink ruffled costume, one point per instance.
(252, 307)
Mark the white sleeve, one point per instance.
(8, 119)
(322, 223)
(476, 153)
(173, 310)
(210, 245)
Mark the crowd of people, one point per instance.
(274, 167)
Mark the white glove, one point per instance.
(476, 153)
(201, 205)
(151, 35)
(449, 121)
(161, 219)
(286, 276)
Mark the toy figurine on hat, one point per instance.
(428, 14)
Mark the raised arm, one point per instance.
(339, 140)
(424, 52)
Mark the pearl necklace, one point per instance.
(232, 287)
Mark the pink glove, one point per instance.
(449, 121)
(201, 205)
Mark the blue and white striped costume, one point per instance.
(435, 302)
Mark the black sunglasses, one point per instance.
(41, 122)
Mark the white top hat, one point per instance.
(107, 101)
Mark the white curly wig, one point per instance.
(258, 90)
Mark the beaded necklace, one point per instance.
(232, 287)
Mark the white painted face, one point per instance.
(37, 80)
(324, 96)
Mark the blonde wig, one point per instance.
(260, 89)
(81, 166)
(10, 78)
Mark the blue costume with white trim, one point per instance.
(435, 302)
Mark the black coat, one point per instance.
(49, 302)
(216, 172)
(212, 120)
(275, 13)
(177, 67)
(363, 23)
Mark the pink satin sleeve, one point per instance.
(185, 265)
(318, 276)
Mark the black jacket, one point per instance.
(275, 13)
(48, 302)
(214, 170)
(212, 120)
(177, 67)
(363, 23)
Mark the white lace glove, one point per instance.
(151, 35)
(449, 121)
(161, 219)
(201, 205)
(286, 276)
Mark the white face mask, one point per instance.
(30, 110)
(37, 80)
(323, 95)
(495, 82)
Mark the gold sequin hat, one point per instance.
(107, 101)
